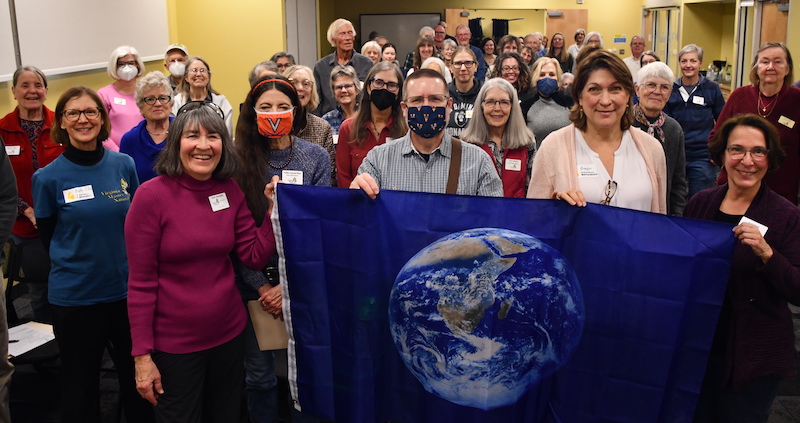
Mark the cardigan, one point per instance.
(555, 166)
(760, 337)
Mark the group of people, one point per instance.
(164, 291)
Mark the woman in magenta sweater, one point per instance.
(187, 316)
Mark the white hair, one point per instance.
(444, 71)
(122, 51)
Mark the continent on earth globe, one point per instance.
(481, 316)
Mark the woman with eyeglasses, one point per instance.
(511, 67)
(313, 128)
(753, 346)
(146, 140)
(379, 117)
(124, 66)
(772, 96)
(653, 84)
(648, 57)
(498, 127)
(82, 199)
(187, 318)
(345, 87)
(598, 158)
(269, 149)
(196, 86)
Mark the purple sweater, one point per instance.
(181, 293)
(760, 339)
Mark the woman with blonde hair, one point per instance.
(498, 127)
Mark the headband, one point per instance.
(273, 80)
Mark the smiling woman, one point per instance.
(196, 86)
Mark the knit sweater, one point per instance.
(138, 144)
(677, 184)
(759, 337)
(182, 296)
(545, 116)
(785, 116)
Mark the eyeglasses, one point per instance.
(509, 68)
(380, 84)
(307, 83)
(652, 86)
(194, 105)
(74, 114)
(343, 87)
(129, 63)
(611, 189)
(434, 100)
(468, 64)
(284, 65)
(758, 154)
(163, 99)
(198, 70)
(491, 104)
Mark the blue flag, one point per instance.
(422, 307)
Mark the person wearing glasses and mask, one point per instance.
(598, 158)
(82, 200)
(145, 141)
(175, 62)
(753, 346)
(313, 129)
(196, 86)
(463, 90)
(124, 66)
(421, 160)
(379, 118)
(498, 127)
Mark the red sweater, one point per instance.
(181, 292)
(349, 155)
(22, 161)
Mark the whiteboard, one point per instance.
(59, 36)
(402, 30)
(8, 64)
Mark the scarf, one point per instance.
(653, 129)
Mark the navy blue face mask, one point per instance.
(427, 121)
(547, 86)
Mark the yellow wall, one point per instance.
(231, 36)
(793, 35)
(710, 26)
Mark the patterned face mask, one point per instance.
(427, 121)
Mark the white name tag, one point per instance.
(513, 164)
(785, 121)
(587, 171)
(761, 227)
(699, 100)
(12, 150)
(294, 177)
(218, 202)
(120, 101)
(78, 194)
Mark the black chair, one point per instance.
(28, 263)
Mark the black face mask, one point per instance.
(382, 99)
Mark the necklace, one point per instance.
(762, 106)
(289, 160)
(157, 133)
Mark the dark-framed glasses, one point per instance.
(343, 87)
(509, 68)
(611, 189)
(194, 105)
(163, 99)
(72, 115)
(381, 84)
(758, 154)
(467, 64)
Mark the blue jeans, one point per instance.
(701, 174)
(260, 382)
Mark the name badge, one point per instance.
(761, 227)
(587, 171)
(468, 114)
(513, 164)
(12, 150)
(120, 101)
(699, 100)
(783, 120)
(294, 177)
(78, 194)
(218, 202)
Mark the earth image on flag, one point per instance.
(481, 316)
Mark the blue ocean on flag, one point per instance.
(419, 307)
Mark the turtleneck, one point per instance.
(84, 158)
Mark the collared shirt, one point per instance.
(397, 165)
(322, 75)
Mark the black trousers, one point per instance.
(204, 386)
(82, 334)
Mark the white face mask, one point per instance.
(177, 69)
(127, 72)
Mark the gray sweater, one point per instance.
(677, 185)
